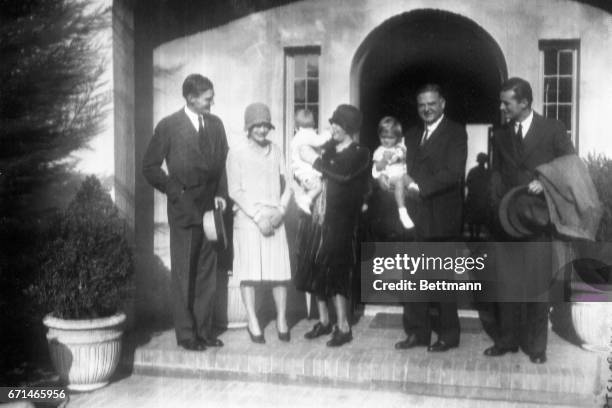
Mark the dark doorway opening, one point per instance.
(424, 46)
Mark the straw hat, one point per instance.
(214, 227)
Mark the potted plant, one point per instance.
(85, 275)
(591, 309)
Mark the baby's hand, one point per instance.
(306, 182)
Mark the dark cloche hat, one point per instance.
(348, 118)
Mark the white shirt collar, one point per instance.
(525, 124)
(193, 117)
(432, 127)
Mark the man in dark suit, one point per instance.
(437, 151)
(193, 144)
(526, 141)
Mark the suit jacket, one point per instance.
(438, 167)
(545, 140)
(196, 166)
(524, 271)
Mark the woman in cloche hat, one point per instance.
(331, 250)
(261, 254)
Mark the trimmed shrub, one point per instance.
(86, 261)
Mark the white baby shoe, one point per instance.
(405, 218)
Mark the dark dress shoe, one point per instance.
(440, 346)
(256, 339)
(538, 358)
(318, 330)
(192, 344)
(339, 338)
(284, 336)
(410, 342)
(495, 351)
(213, 343)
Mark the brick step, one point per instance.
(571, 377)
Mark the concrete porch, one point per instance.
(571, 377)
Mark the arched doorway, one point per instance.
(423, 46)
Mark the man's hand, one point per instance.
(535, 187)
(381, 164)
(174, 191)
(308, 154)
(220, 203)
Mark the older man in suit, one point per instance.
(525, 142)
(193, 144)
(437, 154)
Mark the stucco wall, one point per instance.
(245, 58)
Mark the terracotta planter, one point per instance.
(85, 353)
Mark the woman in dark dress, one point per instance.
(328, 249)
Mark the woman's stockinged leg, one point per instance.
(248, 298)
(340, 302)
(323, 311)
(280, 300)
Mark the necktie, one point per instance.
(518, 139)
(519, 132)
(425, 135)
(201, 126)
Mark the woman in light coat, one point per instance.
(261, 254)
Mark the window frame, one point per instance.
(289, 90)
(558, 45)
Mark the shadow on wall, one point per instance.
(152, 312)
(153, 302)
(161, 73)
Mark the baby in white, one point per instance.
(390, 162)
(307, 181)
